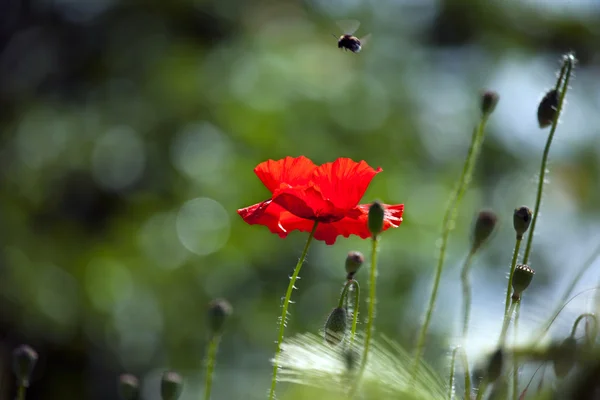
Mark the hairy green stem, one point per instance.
(506, 322)
(467, 374)
(513, 265)
(515, 387)
(213, 347)
(448, 225)
(466, 287)
(451, 377)
(371, 317)
(565, 73)
(284, 310)
(482, 388)
(355, 310)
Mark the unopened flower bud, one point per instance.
(376, 214)
(484, 227)
(170, 385)
(494, 367)
(547, 109)
(522, 277)
(129, 387)
(489, 100)
(521, 220)
(564, 356)
(350, 359)
(335, 327)
(218, 311)
(354, 260)
(24, 360)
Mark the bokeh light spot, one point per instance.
(203, 226)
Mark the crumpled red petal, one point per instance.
(293, 171)
(344, 181)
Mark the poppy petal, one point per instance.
(273, 216)
(344, 181)
(294, 171)
(353, 224)
(308, 203)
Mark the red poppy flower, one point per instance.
(303, 193)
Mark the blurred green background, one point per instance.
(128, 135)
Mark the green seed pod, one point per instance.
(336, 325)
(547, 109)
(24, 360)
(494, 366)
(171, 385)
(218, 311)
(489, 100)
(354, 260)
(564, 357)
(521, 220)
(376, 214)
(484, 227)
(129, 387)
(521, 279)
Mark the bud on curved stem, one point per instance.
(564, 357)
(129, 387)
(336, 326)
(170, 386)
(351, 286)
(218, 311)
(24, 360)
(354, 261)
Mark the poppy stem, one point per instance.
(466, 287)
(448, 224)
(371, 317)
(355, 310)
(515, 360)
(213, 347)
(284, 310)
(513, 265)
(566, 74)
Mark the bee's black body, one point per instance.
(349, 42)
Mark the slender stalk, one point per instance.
(466, 287)
(21, 392)
(565, 73)
(448, 225)
(451, 378)
(467, 374)
(355, 310)
(578, 320)
(482, 388)
(284, 311)
(513, 265)
(506, 323)
(213, 347)
(560, 305)
(515, 392)
(371, 317)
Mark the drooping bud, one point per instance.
(354, 260)
(129, 387)
(591, 330)
(547, 109)
(218, 311)
(170, 385)
(376, 214)
(564, 356)
(521, 220)
(336, 325)
(494, 366)
(489, 100)
(484, 227)
(24, 360)
(522, 277)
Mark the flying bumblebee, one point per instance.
(347, 41)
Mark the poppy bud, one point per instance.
(564, 356)
(335, 327)
(522, 277)
(547, 109)
(129, 387)
(489, 100)
(170, 385)
(218, 311)
(494, 366)
(521, 220)
(484, 226)
(376, 214)
(24, 360)
(354, 260)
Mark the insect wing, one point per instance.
(365, 39)
(348, 26)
